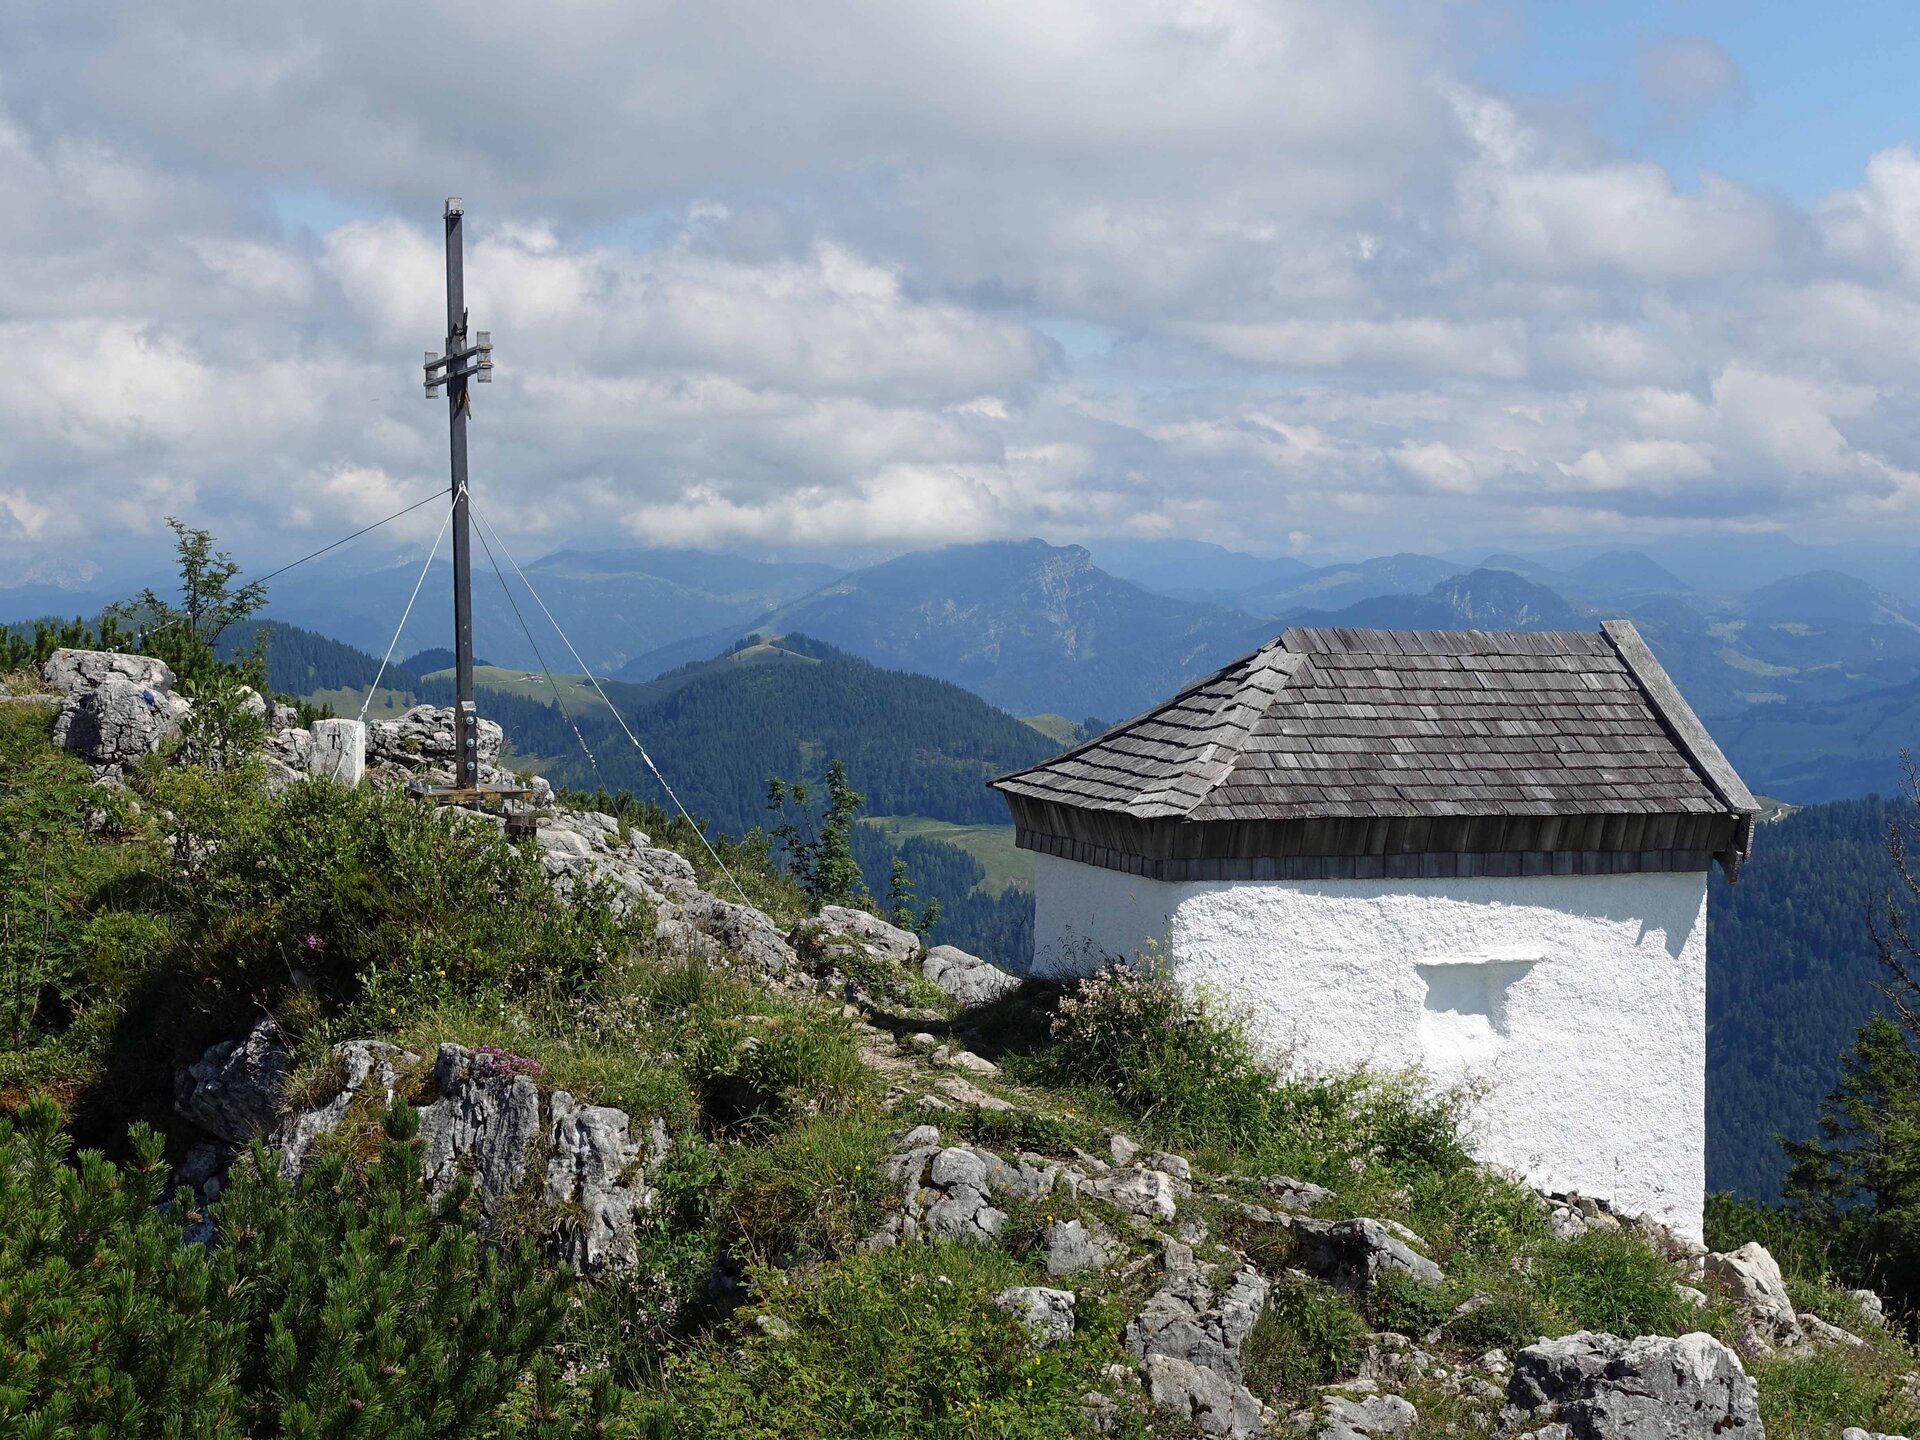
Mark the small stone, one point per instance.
(1122, 1149)
(971, 1063)
(965, 1092)
(1299, 1196)
(923, 1042)
(918, 1136)
(1174, 1165)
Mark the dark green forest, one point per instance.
(1791, 971)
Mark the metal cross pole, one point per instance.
(462, 362)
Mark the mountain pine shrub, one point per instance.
(347, 1307)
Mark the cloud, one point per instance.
(1685, 76)
(789, 278)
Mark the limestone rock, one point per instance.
(485, 1122)
(1204, 1398)
(1854, 1432)
(1188, 1320)
(869, 930)
(965, 1092)
(1353, 1413)
(1353, 1254)
(68, 672)
(596, 1167)
(233, 1090)
(360, 1060)
(1135, 1190)
(1046, 1314)
(1072, 1246)
(1298, 1196)
(1752, 1279)
(1653, 1388)
(1872, 1309)
(118, 722)
(966, 979)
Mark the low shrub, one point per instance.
(384, 905)
(1307, 1337)
(348, 1306)
(1405, 1306)
(1174, 1060)
(904, 1344)
(761, 1073)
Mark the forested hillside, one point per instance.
(1791, 974)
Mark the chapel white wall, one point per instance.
(1577, 1003)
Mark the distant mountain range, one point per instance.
(1810, 680)
(1030, 626)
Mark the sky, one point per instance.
(855, 278)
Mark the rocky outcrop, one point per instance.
(1188, 1338)
(1355, 1254)
(1355, 1412)
(839, 927)
(233, 1090)
(115, 709)
(1751, 1278)
(581, 847)
(947, 1192)
(1654, 1388)
(483, 1124)
(601, 1172)
(360, 1061)
(75, 672)
(965, 979)
(488, 1123)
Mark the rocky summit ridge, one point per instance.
(1199, 1259)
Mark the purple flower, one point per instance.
(311, 941)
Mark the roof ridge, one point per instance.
(1221, 756)
(1145, 715)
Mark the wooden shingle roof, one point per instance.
(1346, 723)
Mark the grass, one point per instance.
(1006, 864)
(904, 1343)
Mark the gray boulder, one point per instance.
(1356, 1413)
(844, 922)
(600, 1172)
(483, 1124)
(118, 722)
(1653, 1388)
(1203, 1398)
(1044, 1313)
(233, 1090)
(1135, 1190)
(966, 979)
(71, 672)
(1354, 1254)
(1752, 1279)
